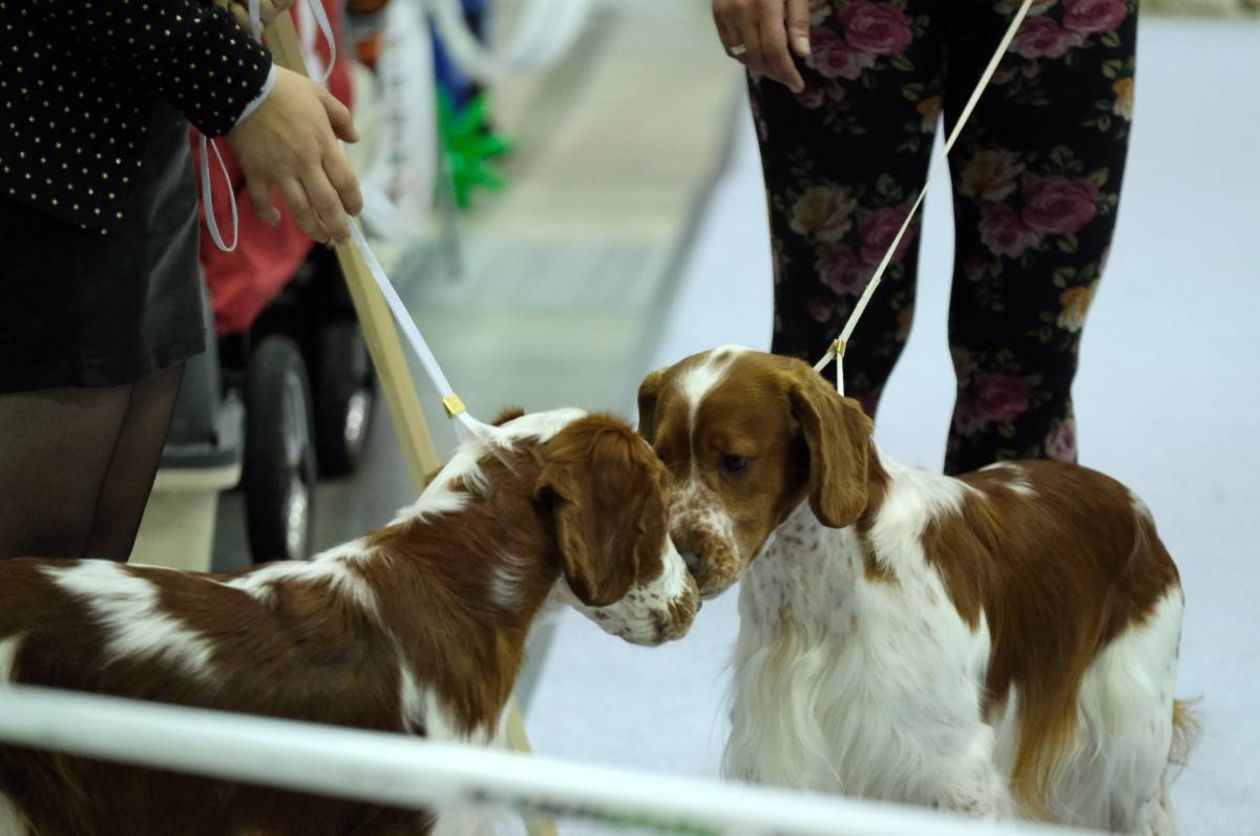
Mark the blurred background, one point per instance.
(595, 210)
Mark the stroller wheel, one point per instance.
(279, 469)
(345, 393)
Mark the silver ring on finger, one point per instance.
(738, 50)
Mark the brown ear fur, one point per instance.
(649, 393)
(608, 507)
(838, 435)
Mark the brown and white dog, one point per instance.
(417, 628)
(1001, 644)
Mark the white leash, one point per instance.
(836, 350)
(320, 15)
(466, 426)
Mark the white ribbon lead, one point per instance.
(466, 426)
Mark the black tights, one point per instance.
(77, 465)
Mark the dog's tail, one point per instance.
(1187, 729)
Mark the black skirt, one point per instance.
(82, 308)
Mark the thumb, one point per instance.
(798, 26)
(339, 117)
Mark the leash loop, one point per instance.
(206, 145)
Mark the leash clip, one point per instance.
(453, 405)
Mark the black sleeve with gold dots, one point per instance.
(77, 80)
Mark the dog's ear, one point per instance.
(649, 393)
(509, 413)
(838, 435)
(608, 508)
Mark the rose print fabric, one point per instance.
(1036, 181)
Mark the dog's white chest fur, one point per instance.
(832, 670)
(872, 685)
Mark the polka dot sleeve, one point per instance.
(192, 55)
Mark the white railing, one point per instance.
(406, 772)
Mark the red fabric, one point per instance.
(244, 281)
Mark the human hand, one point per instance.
(757, 33)
(269, 11)
(290, 141)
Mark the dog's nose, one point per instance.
(692, 560)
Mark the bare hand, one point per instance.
(290, 141)
(269, 9)
(758, 32)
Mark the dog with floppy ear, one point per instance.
(419, 627)
(744, 484)
(837, 435)
(594, 504)
(1001, 643)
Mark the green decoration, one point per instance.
(470, 145)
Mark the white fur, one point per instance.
(9, 647)
(333, 567)
(638, 616)
(127, 608)
(697, 381)
(873, 688)
(870, 689)
(440, 725)
(422, 713)
(1116, 777)
(1017, 478)
(414, 701)
(440, 496)
(507, 583)
(913, 499)
(464, 468)
(540, 426)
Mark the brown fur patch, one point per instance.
(609, 494)
(506, 415)
(1057, 576)
(1187, 729)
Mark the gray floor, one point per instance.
(1167, 402)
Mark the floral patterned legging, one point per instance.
(1036, 177)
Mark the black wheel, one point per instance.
(279, 468)
(345, 393)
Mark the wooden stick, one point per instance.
(397, 384)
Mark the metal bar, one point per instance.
(400, 771)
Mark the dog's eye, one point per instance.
(733, 464)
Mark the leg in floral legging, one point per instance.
(1036, 175)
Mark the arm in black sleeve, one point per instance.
(192, 55)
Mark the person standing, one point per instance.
(846, 96)
(100, 297)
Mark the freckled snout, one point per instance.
(710, 558)
(656, 612)
(675, 619)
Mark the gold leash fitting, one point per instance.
(453, 405)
